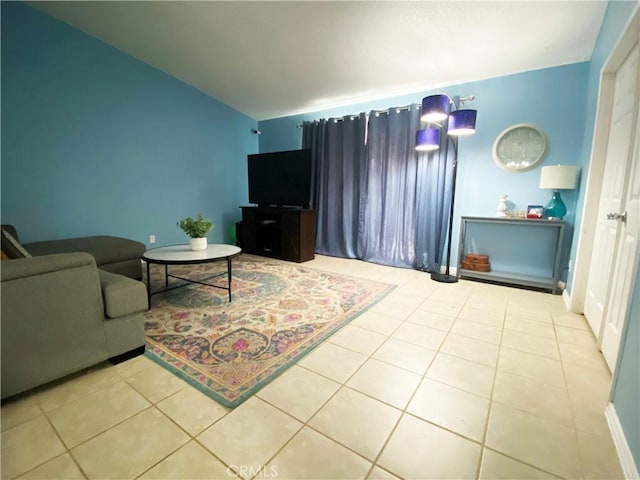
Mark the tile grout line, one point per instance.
(342, 385)
(571, 406)
(403, 411)
(567, 391)
(33, 396)
(493, 386)
(306, 424)
(288, 414)
(373, 462)
(528, 414)
(64, 444)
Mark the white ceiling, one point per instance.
(272, 59)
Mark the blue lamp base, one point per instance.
(555, 209)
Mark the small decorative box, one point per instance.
(476, 262)
(535, 211)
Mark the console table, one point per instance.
(523, 252)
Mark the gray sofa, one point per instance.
(112, 254)
(60, 314)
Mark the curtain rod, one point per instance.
(389, 110)
(376, 112)
(334, 119)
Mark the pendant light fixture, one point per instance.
(442, 113)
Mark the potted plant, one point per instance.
(197, 229)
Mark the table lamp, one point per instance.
(556, 178)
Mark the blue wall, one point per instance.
(626, 395)
(616, 17)
(96, 142)
(552, 98)
(563, 102)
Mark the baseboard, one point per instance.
(627, 462)
(567, 300)
(452, 270)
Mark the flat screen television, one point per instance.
(280, 178)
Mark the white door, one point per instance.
(626, 262)
(616, 173)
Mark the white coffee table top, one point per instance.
(182, 254)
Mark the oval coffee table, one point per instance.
(183, 255)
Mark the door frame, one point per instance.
(604, 109)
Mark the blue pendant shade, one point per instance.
(428, 140)
(435, 108)
(462, 122)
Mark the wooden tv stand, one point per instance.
(284, 233)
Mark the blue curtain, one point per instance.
(388, 229)
(338, 157)
(435, 174)
(378, 200)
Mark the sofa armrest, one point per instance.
(52, 319)
(122, 295)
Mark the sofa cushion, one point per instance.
(11, 247)
(122, 295)
(104, 248)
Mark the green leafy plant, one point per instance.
(197, 228)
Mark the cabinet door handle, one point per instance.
(617, 216)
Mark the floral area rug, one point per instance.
(279, 312)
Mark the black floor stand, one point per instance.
(443, 278)
(447, 277)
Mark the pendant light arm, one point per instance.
(457, 101)
(454, 143)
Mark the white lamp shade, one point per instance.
(559, 177)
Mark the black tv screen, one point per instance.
(280, 178)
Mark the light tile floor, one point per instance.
(463, 380)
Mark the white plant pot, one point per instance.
(198, 243)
